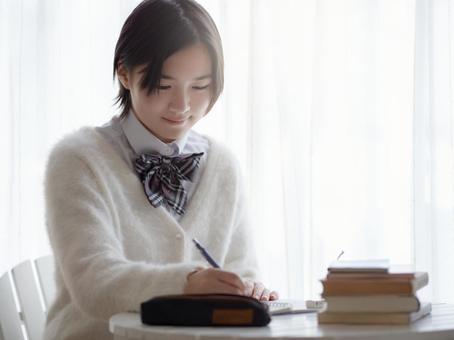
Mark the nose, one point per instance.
(180, 102)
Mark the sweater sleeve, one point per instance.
(241, 256)
(88, 253)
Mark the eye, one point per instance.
(164, 87)
(201, 87)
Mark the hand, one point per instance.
(258, 291)
(214, 281)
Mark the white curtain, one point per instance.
(341, 113)
(433, 156)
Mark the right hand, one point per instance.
(214, 281)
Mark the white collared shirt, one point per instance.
(130, 138)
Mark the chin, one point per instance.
(172, 138)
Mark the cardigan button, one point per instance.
(178, 236)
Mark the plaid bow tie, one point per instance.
(162, 178)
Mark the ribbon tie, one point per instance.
(162, 178)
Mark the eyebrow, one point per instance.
(207, 76)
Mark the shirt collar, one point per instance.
(142, 140)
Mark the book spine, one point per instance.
(362, 287)
(372, 304)
(374, 318)
(327, 318)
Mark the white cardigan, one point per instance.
(113, 250)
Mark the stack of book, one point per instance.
(368, 292)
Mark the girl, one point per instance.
(125, 200)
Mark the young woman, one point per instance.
(125, 200)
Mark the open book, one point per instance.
(281, 307)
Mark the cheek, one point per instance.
(201, 102)
(153, 102)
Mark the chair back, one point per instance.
(45, 269)
(25, 295)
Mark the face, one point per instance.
(184, 94)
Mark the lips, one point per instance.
(174, 120)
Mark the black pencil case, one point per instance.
(204, 310)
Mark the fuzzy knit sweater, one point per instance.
(113, 250)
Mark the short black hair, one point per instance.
(154, 31)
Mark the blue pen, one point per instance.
(205, 253)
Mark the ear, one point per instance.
(123, 76)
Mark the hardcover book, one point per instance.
(385, 285)
(373, 303)
(374, 318)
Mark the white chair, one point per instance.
(25, 295)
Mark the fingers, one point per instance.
(214, 281)
(265, 295)
(274, 295)
(260, 292)
(249, 287)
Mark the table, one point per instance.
(438, 325)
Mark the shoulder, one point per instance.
(79, 141)
(221, 162)
(222, 153)
(198, 142)
(76, 147)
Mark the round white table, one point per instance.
(438, 325)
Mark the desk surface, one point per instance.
(438, 325)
